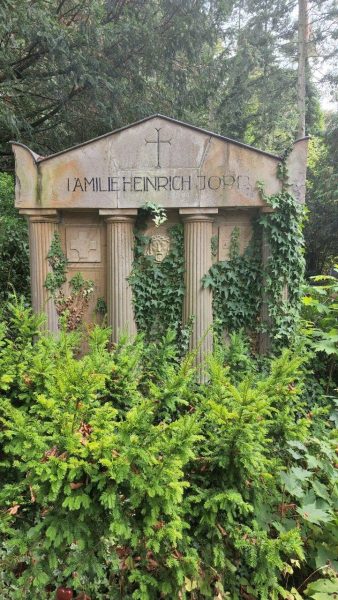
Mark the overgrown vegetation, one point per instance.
(70, 307)
(14, 260)
(237, 286)
(158, 287)
(228, 66)
(322, 200)
(320, 325)
(240, 283)
(284, 270)
(122, 479)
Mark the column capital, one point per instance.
(198, 215)
(267, 210)
(119, 215)
(40, 215)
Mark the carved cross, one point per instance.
(158, 141)
(82, 244)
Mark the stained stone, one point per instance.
(91, 193)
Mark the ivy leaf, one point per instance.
(301, 474)
(207, 281)
(292, 484)
(320, 490)
(322, 589)
(312, 514)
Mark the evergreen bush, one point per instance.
(14, 259)
(121, 478)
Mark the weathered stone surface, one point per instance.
(296, 166)
(90, 194)
(157, 159)
(83, 243)
(159, 246)
(198, 299)
(120, 242)
(41, 233)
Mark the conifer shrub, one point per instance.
(122, 478)
(14, 258)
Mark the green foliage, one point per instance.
(310, 500)
(14, 262)
(236, 355)
(284, 271)
(320, 326)
(236, 284)
(157, 212)
(98, 479)
(70, 308)
(58, 263)
(321, 314)
(234, 494)
(322, 200)
(158, 288)
(222, 64)
(60, 61)
(120, 478)
(322, 589)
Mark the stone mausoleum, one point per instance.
(91, 195)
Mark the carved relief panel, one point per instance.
(83, 243)
(159, 237)
(158, 246)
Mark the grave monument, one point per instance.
(91, 194)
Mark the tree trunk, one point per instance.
(303, 38)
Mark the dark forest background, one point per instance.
(70, 71)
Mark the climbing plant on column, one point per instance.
(236, 285)
(239, 283)
(285, 267)
(158, 287)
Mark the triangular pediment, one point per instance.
(157, 159)
(156, 121)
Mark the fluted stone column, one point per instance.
(120, 256)
(198, 260)
(42, 227)
(265, 338)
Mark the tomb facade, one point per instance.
(91, 195)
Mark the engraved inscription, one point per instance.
(83, 244)
(158, 247)
(150, 182)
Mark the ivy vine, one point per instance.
(70, 309)
(236, 284)
(58, 263)
(158, 287)
(285, 266)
